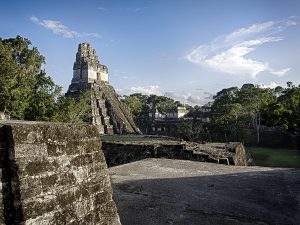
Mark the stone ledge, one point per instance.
(120, 149)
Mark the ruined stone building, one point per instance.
(108, 112)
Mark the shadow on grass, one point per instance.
(275, 157)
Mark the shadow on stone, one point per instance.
(171, 192)
(11, 196)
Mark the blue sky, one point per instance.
(184, 49)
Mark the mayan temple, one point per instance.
(108, 112)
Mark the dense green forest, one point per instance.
(232, 111)
(27, 93)
(235, 109)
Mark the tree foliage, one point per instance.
(285, 112)
(141, 106)
(20, 67)
(42, 102)
(26, 92)
(74, 110)
(227, 112)
(235, 109)
(190, 130)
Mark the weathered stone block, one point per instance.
(30, 151)
(40, 166)
(82, 160)
(54, 149)
(53, 174)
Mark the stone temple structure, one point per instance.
(108, 112)
(87, 68)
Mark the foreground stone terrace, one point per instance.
(164, 191)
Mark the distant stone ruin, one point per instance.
(108, 112)
(124, 149)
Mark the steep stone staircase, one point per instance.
(119, 115)
(99, 111)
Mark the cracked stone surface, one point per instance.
(164, 191)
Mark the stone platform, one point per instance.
(164, 191)
(121, 149)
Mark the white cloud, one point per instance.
(195, 100)
(122, 75)
(176, 96)
(280, 73)
(128, 77)
(102, 9)
(138, 9)
(272, 85)
(186, 98)
(192, 81)
(145, 90)
(58, 28)
(228, 53)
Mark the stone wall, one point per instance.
(119, 152)
(53, 174)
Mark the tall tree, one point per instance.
(42, 101)
(255, 100)
(285, 112)
(133, 104)
(227, 112)
(26, 92)
(19, 64)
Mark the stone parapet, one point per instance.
(53, 173)
(124, 149)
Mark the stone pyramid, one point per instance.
(108, 112)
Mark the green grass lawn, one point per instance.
(275, 157)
